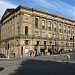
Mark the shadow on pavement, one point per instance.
(39, 67)
(1, 68)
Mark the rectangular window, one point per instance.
(55, 36)
(44, 42)
(72, 30)
(65, 37)
(26, 42)
(68, 29)
(36, 33)
(49, 35)
(43, 34)
(60, 36)
(59, 30)
(36, 22)
(37, 42)
(69, 37)
(49, 25)
(65, 28)
(18, 30)
(55, 27)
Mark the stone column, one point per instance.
(33, 24)
(21, 23)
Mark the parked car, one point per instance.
(2, 56)
(39, 54)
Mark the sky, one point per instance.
(64, 8)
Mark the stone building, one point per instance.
(26, 29)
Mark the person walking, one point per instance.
(14, 54)
(68, 57)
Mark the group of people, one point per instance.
(34, 53)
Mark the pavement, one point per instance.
(9, 65)
(42, 65)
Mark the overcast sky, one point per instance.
(65, 8)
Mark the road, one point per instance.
(44, 65)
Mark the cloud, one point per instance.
(57, 5)
(4, 5)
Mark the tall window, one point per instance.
(26, 42)
(64, 28)
(54, 26)
(65, 37)
(43, 24)
(18, 30)
(49, 35)
(60, 36)
(26, 30)
(36, 22)
(49, 25)
(55, 36)
(72, 30)
(36, 33)
(68, 29)
(37, 42)
(69, 37)
(43, 34)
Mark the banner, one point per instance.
(56, 41)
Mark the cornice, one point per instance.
(33, 10)
(53, 15)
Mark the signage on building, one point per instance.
(56, 41)
(26, 51)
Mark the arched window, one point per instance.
(26, 30)
(36, 22)
(64, 28)
(55, 26)
(49, 25)
(72, 30)
(43, 24)
(60, 27)
(68, 29)
(18, 30)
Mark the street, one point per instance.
(43, 65)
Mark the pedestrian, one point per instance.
(30, 52)
(14, 54)
(68, 57)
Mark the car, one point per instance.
(2, 56)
